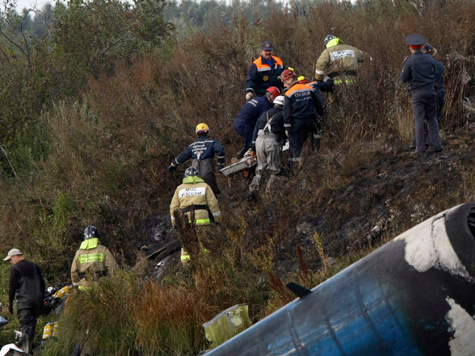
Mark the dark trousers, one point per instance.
(424, 107)
(301, 131)
(245, 130)
(28, 318)
(440, 104)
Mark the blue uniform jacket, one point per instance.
(302, 102)
(439, 80)
(419, 71)
(259, 79)
(202, 149)
(251, 111)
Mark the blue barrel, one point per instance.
(413, 296)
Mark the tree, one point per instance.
(90, 36)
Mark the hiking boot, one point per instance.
(416, 154)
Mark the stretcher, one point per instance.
(244, 163)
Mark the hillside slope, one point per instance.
(347, 198)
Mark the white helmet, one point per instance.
(279, 100)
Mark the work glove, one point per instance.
(249, 153)
(10, 308)
(249, 95)
(171, 168)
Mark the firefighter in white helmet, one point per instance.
(202, 151)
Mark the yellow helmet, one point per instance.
(202, 128)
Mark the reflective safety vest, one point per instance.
(346, 81)
(91, 262)
(185, 257)
(263, 66)
(339, 61)
(262, 76)
(195, 193)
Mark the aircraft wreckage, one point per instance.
(413, 296)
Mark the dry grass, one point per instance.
(111, 147)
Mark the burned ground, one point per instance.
(349, 198)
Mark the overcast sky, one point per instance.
(29, 4)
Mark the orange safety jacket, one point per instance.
(262, 76)
(302, 102)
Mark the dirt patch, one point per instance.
(349, 198)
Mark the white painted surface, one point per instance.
(463, 342)
(428, 246)
(11, 347)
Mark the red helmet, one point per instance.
(273, 90)
(286, 74)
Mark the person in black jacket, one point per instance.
(28, 286)
(420, 72)
(268, 136)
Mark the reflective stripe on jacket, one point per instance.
(338, 58)
(92, 260)
(194, 191)
(202, 149)
(262, 76)
(302, 102)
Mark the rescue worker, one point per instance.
(28, 286)
(439, 88)
(246, 119)
(267, 139)
(338, 61)
(303, 114)
(439, 81)
(194, 194)
(420, 72)
(264, 72)
(318, 87)
(202, 151)
(92, 261)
